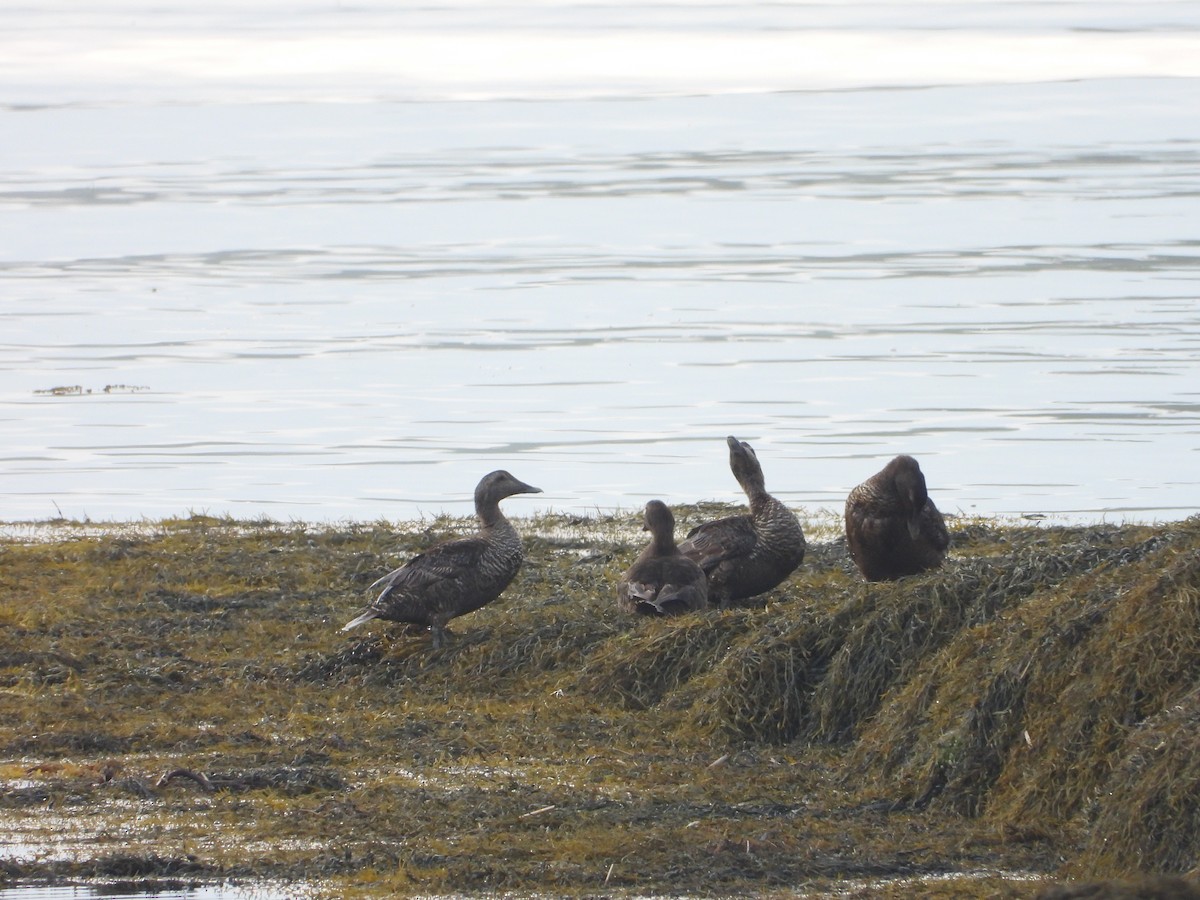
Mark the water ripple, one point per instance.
(1134, 172)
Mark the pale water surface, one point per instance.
(340, 260)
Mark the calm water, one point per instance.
(343, 259)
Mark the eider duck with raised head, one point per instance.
(458, 576)
(744, 556)
(662, 581)
(893, 529)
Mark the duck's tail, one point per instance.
(365, 616)
(671, 601)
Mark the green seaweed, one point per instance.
(1024, 715)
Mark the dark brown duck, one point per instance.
(662, 581)
(746, 555)
(893, 529)
(455, 577)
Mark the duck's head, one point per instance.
(658, 518)
(495, 486)
(909, 484)
(743, 462)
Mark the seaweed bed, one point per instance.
(179, 706)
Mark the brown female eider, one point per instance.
(747, 555)
(892, 527)
(662, 581)
(455, 577)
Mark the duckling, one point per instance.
(457, 576)
(662, 581)
(893, 528)
(743, 556)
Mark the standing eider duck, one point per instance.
(662, 581)
(455, 577)
(746, 555)
(892, 527)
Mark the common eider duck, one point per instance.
(662, 581)
(893, 529)
(746, 555)
(458, 576)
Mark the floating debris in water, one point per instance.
(78, 390)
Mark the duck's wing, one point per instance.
(681, 598)
(873, 530)
(641, 590)
(870, 517)
(667, 600)
(713, 543)
(446, 562)
(933, 528)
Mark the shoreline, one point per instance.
(821, 524)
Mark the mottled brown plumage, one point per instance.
(893, 529)
(662, 581)
(746, 555)
(458, 576)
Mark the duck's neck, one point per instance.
(488, 512)
(756, 493)
(763, 507)
(663, 544)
